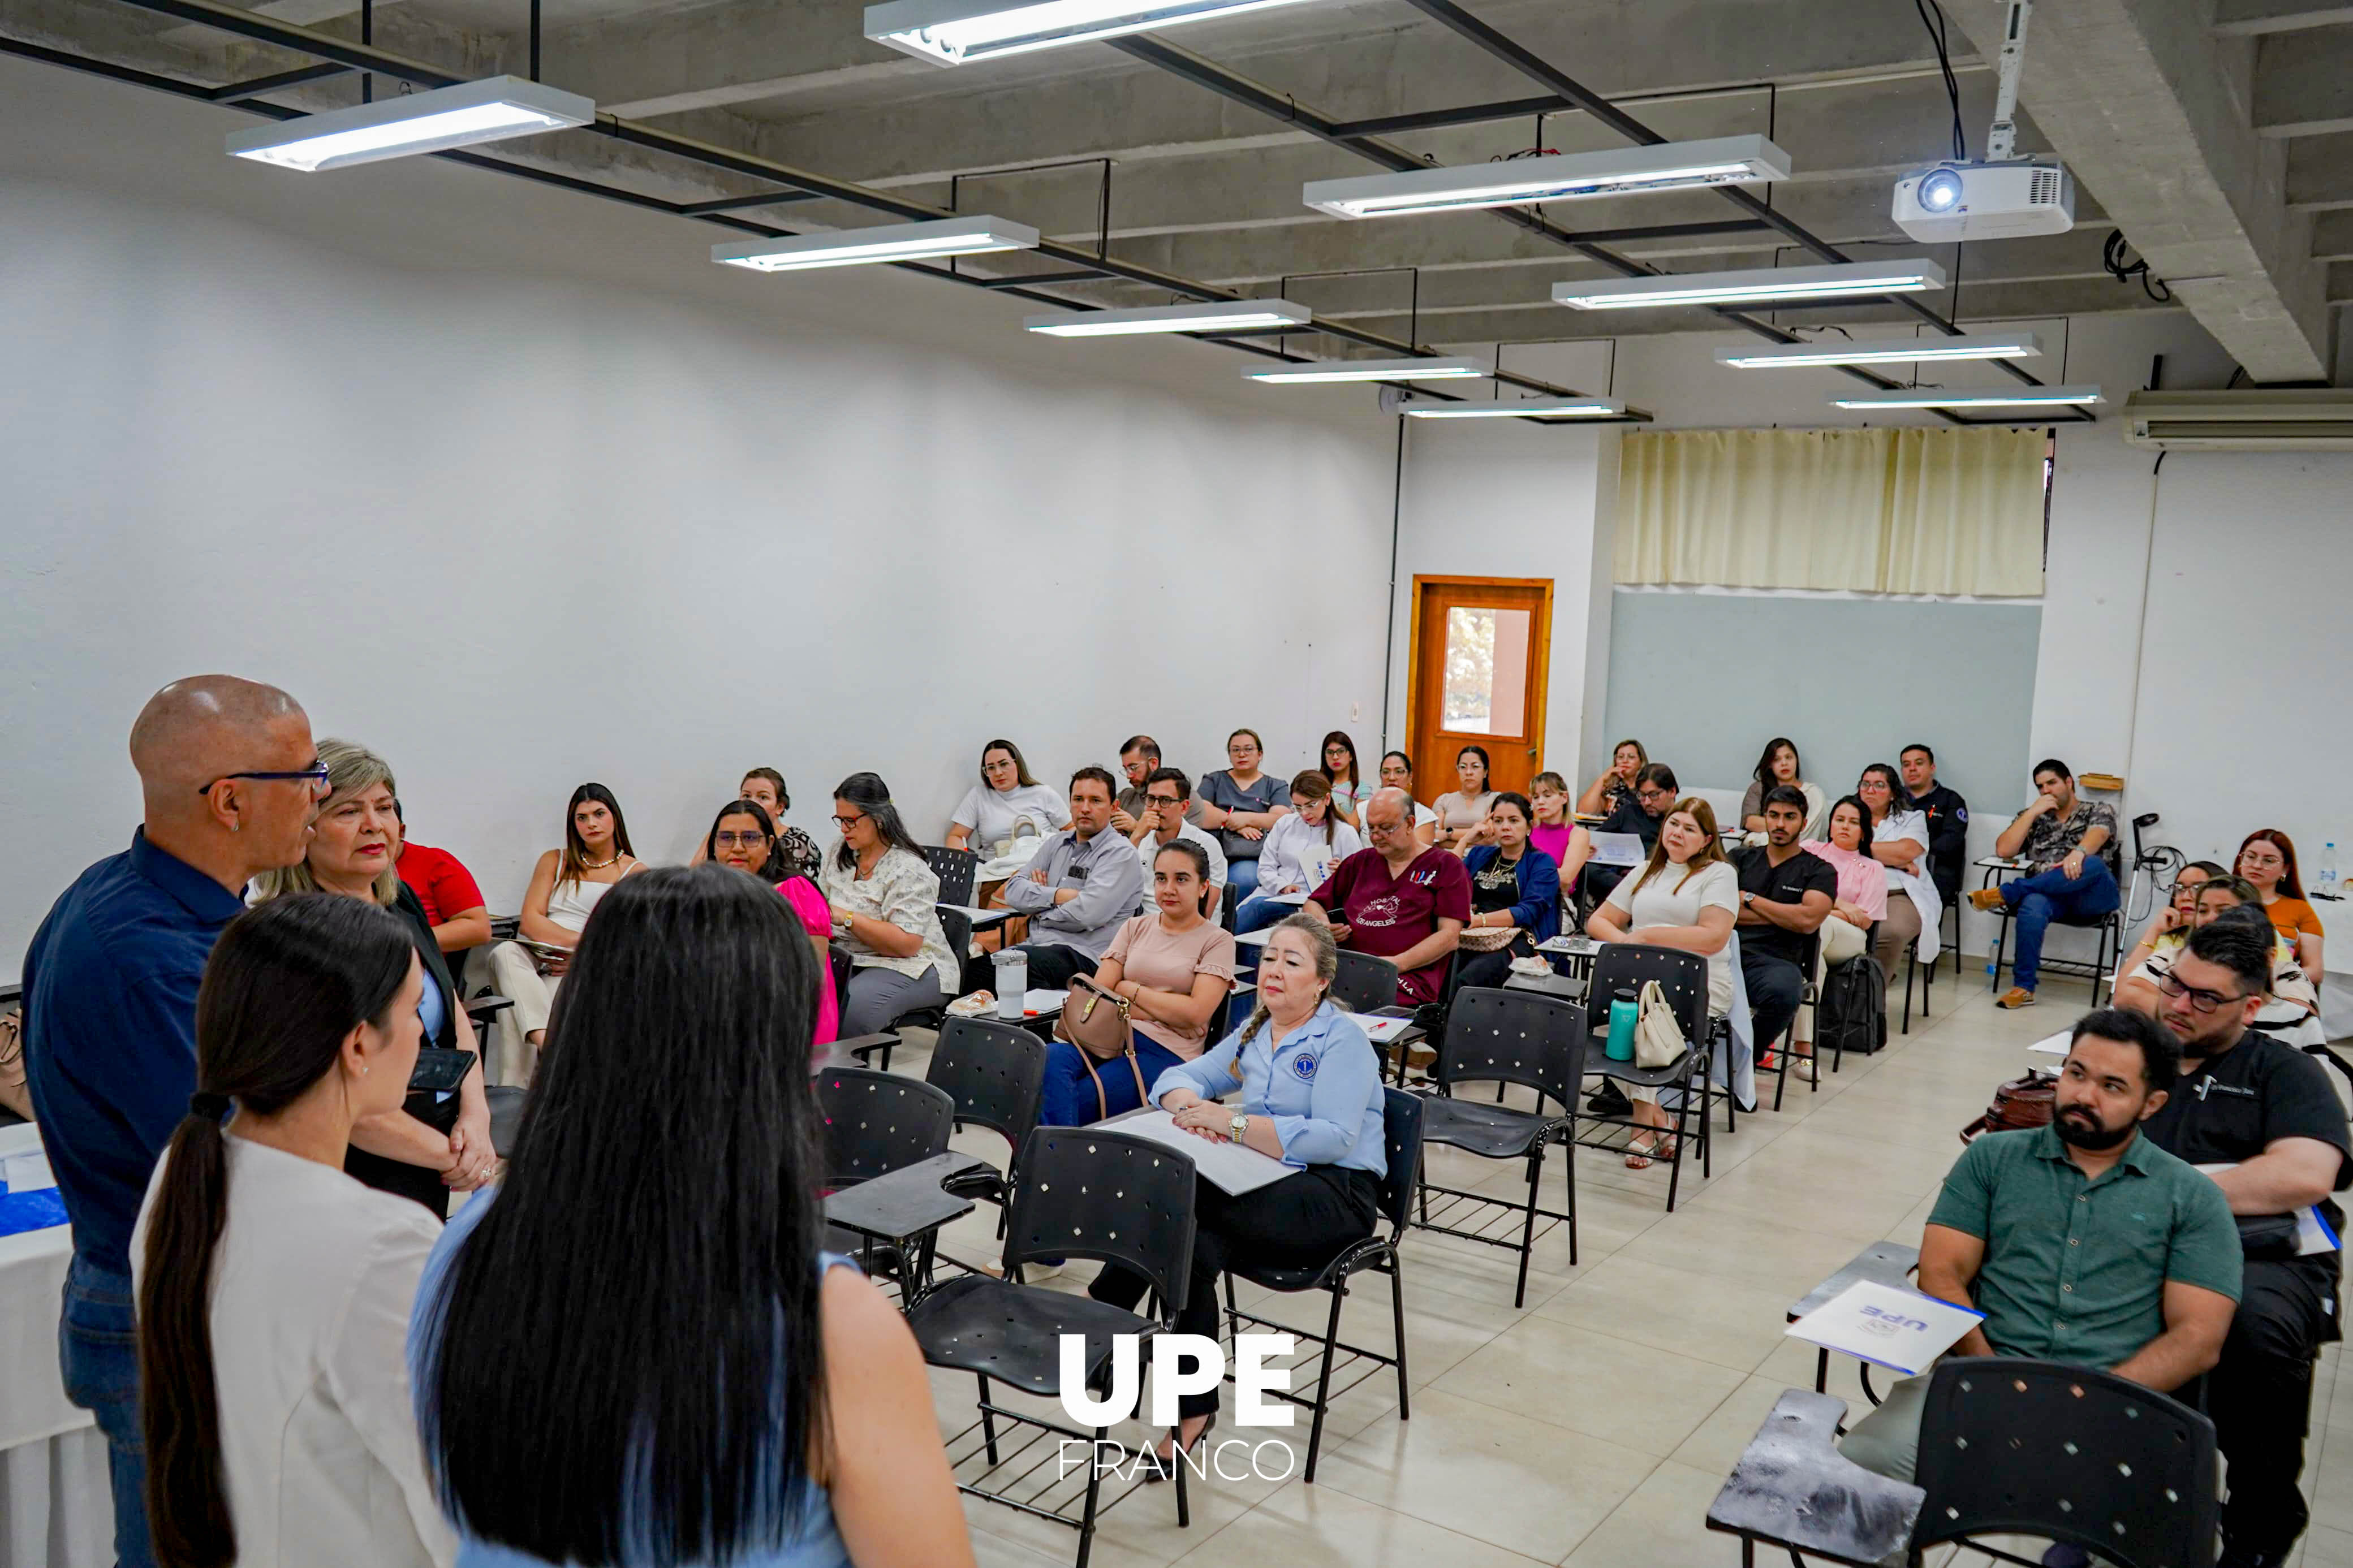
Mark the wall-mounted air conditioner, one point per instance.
(2319, 419)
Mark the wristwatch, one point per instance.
(1746, 898)
(1238, 1126)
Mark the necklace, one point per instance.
(601, 865)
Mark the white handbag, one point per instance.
(1658, 1037)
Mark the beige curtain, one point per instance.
(1885, 511)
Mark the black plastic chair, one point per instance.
(1085, 1191)
(876, 1123)
(1401, 1125)
(955, 869)
(1773, 1055)
(1682, 978)
(1364, 984)
(996, 1075)
(1506, 1037)
(2011, 1446)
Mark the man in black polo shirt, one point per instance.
(1947, 815)
(2267, 1111)
(1786, 893)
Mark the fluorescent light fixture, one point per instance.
(1946, 397)
(1883, 351)
(488, 110)
(1216, 316)
(1557, 177)
(1520, 408)
(883, 242)
(1372, 369)
(1756, 286)
(958, 32)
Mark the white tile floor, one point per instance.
(1593, 1426)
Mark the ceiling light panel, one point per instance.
(1216, 316)
(1882, 351)
(960, 32)
(883, 243)
(1556, 177)
(461, 116)
(1520, 408)
(1326, 371)
(1756, 286)
(1948, 397)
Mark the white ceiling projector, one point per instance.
(2009, 200)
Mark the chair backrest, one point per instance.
(995, 1072)
(1088, 1191)
(1527, 1038)
(955, 869)
(2011, 1446)
(1683, 976)
(1401, 1139)
(876, 1123)
(1364, 984)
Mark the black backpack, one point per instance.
(1853, 1014)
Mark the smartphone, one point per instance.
(441, 1071)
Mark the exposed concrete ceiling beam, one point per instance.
(2304, 82)
(2332, 236)
(2132, 94)
(2248, 19)
(2320, 172)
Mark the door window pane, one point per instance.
(1486, 670)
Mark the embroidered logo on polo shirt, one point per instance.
(2208, 1086)
(1379, 912)
(1303, 1065)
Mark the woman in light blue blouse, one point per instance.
(1310, 1097)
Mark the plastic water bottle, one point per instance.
(2329, 887)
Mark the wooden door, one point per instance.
(1479, 650)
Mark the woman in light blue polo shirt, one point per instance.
(1311, 1097)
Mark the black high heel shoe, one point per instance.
(1157, 1469)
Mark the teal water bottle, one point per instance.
(1623, 1012)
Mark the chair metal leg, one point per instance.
(987, 1422)
(1324, 1383)
(1707, 1136)
(1911, 970)
(1094, 1489)
(1675, 1164)
(1397, 1309)
(1233, 1319)
(1176, 1451)
(1529, 1225)
(1568, 1175)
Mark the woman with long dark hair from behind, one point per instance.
(743, 837)
(274, 1290)
(565, 887)
(723, 1391)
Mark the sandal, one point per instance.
(1638, 1153)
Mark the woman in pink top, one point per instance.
(743, 836)
(1861, 897)
(1552, 832)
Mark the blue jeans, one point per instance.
(1069, 1093)
(2051, 895)
(1259, 912)
(1241, 876)
(98, 1354)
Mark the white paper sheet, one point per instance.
(25, 1173)
(1380, 1031)
(1233, 1168)
(1619, 849)
(2054, 1045)
(1900, 1329)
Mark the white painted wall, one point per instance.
(517, 488)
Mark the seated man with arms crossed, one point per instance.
(2067, 843)
(1786, 894)
(2080, 1241)
(1397, 899)
(1159, 820)
(1080, 890)
(2267, 1112)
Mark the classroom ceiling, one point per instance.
(2218, 134)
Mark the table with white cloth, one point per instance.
(57, 1508)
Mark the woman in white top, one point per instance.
(1899, 841)
(274, 1290)
(564, 886)
(989, 811)
(1396, 772)
(1684, 897)
(1461, 810)
(885, 900)
(1301, 850)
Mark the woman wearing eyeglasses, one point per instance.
(765, 787)
(743, 838)
(1396, 772)
(885, 898)
(992, 810)
(1241, 803)
(565, 887)
(2267, 859)
(2293, 993)
(1899, 842)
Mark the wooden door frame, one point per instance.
(1540, 679)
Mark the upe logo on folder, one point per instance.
(1887, 1326)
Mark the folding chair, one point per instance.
(1506, 1037)
(1085, 1191)
(1401, 1121)
(874, 1124)
(955, 869)
(996, 1075)
(1773, 1055)
(1682, 977)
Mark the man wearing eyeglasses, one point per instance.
(1641, 815)
(1082, 885)
(1160, 820)
(2261, 1118)
(231, 781)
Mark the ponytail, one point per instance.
(286, 985)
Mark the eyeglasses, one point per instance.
(1160, 800)
(316, 772)
(752, 841)
(1652, 796)
(2201, 1001)
(846, 823)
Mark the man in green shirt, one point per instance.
(2080, 1242)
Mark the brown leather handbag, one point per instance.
(1097, 1022)
(2022, 1103)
